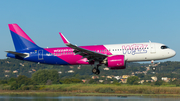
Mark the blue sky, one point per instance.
(88, 22)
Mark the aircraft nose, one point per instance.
(173, 53)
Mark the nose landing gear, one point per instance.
(153, 68)
(152, 64)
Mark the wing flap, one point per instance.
(85, 51)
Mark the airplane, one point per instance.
(114, 56)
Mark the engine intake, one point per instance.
(116, 62)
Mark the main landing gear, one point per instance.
(95, 70)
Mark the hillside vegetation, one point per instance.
(19, 67)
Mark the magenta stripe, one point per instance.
(69, 56)
(16, 29)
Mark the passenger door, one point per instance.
(40, 54)
(152, 48)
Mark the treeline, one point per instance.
(49, 77)
(165, 69)
(41, 77)
(28, 68)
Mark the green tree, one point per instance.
(141, 75)
(3, 81)
(159, 82)
(11, 80)
(133, 80)
(20, 82)
(42, 76)
(23, 80)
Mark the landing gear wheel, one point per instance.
(153, 68)
(97, 73)
(94, 70)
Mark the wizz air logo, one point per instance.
(135, 49)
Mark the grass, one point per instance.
(98, 90)
(123, 89)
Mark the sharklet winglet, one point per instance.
(64, 39)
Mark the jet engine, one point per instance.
(116, 62)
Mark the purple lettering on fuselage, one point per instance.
(135, 49)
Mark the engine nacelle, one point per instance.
(116, 62)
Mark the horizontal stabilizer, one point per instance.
(18, 54)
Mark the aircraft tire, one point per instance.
(153, 68)
(98, 72)
(94, 70)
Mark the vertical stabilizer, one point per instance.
(21, 40)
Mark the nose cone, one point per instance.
(173, 53)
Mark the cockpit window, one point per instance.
(164, 47)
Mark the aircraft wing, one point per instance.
(90, 55)
(16, 53)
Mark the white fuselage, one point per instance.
(141, 51)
